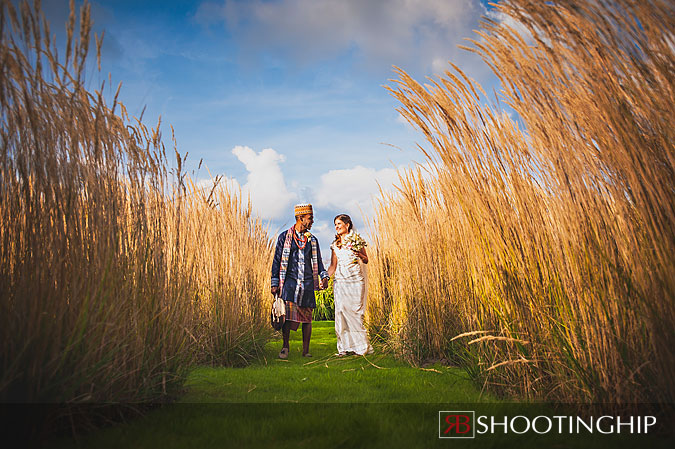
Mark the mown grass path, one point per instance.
(326, 378)
(323, 401)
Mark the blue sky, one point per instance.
(283, 98)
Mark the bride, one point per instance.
(349, 289)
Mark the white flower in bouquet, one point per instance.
(354, 242)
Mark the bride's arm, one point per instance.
(363, 255)
(333, 263)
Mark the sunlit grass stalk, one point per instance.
(561, 233)
(116, 272)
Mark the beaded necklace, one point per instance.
(298, 241)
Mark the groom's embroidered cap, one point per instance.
(302, 209)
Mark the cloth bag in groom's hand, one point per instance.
(278, 313)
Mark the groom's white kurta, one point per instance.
(349, 292)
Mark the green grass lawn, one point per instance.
(326, 378)
(323, 401)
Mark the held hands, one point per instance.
(323, 284)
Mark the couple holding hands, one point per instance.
(297, 271)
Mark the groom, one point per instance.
(296, 269)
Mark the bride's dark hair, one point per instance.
(346, 219)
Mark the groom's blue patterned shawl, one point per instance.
(290, 290)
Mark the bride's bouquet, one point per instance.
(354, 242)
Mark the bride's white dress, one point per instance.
(349, 292)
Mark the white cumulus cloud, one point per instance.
(352, 190)
(265, 183)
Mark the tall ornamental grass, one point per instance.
(116, 272)
(538, 251)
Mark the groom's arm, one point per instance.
(276, 263)
(323, 274)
